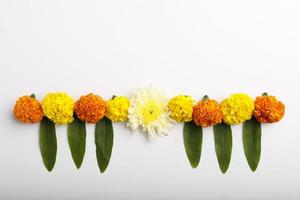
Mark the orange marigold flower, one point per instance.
(28, 110)
(268, 109)
(90, 108)
(207, 113)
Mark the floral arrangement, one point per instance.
(150, 110)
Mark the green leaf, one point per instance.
(47, 142)
(76, 139)
(252, 142)
(223, 145)
(104, 138)
(192, 137)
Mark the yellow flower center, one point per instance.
(151, 112)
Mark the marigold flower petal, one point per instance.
(117, 109)
(207, 113)
(90, 108)
(181, 108)
(237, 108)
(268, 109)
(58, 107)
(28, 110)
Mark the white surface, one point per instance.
(110, 47)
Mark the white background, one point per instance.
(185, 47)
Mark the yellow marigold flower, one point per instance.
(207, 113)
(58, 107)
(117, 109)
(268, 109)
(90, 108)
(181, 108)
(28, 110)
(237, 108)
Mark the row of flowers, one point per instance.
(149, 109)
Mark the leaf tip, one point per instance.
(78, 165)
(49, 168)
(194, 165)
(224, 170)
(253, 168)
(102, 170)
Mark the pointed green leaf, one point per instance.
(47, 143)
(104, 138)
(76, 139)
(192, 137)
(223, 145)
(252, 142)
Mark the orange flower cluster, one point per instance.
(268, 109)
(28, 110)
(207, 113)
(90, 108)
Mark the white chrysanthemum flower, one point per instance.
(148, 110)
